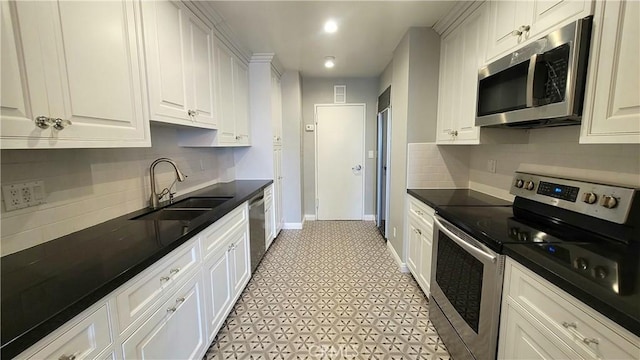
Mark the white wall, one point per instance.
(85, 187)
(292, 147)
(554, 151)
(320, 91)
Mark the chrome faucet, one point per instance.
(154, 202)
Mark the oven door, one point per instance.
(467, 287)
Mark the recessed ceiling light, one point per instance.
(329, 62)
(330, 26)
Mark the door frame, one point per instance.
(364, 145)
(387, 184)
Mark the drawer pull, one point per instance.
(179, 300)
(589, 341)
(569, 325)
(68, 357)
(174, 271)
(171, 309)
(165, 278)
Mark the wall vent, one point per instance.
(340, 94)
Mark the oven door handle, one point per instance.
(470, 248)
(531, 74)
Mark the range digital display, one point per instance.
(564, 192)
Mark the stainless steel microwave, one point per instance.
(541, 84)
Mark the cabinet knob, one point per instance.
(589, 341)
(165, 278)
(43, 122)
(68, 357)
(192, 113)
(238, 137)
(419, 231)
(569, 325)
(174, 271)
(521, 30)
(60, 124)
(172, 309)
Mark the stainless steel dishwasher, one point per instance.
(257, 244)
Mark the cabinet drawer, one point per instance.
(213, 236)
(582, 328)
(175, 330)
(422, 211)
(143, 293)
(85, 340)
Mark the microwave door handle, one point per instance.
(530, 77)
(470, 248)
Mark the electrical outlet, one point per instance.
(22, 195)
(491, 166)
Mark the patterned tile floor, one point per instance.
(329, 291)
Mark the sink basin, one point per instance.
(187, 209)
(199, 202)
(172, 214)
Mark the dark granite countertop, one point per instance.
(436, 198)
(47, 285)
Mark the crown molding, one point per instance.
(456, 16)
(269, 58)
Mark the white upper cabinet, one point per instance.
(276, 108)
(461, 52)
(612, 102)
(180, 65)
(514, 23)
(224, 73)
(241, 102)
(81, 64)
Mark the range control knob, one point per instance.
(600, 272)
(609, 202)
(581, 264)
(529, 185)
(589, 198)
(519, 183)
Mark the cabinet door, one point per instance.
(202, 69)
(473, 47)
(520, 339)
(426, 249)
(175, 331)
(240, 265)
(276, 104)
(268, 225)
(14, 113)
(241, 102)
(449, 94)
(612, 102)
(415, 242)
(224, 74)
(505, 18)
(550, 14)
(217, 275)
(166, 49)
(277, 179)
(83, 66)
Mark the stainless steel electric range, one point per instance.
(581, 235)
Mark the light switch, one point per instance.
(309, 127)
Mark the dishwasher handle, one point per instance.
(256, 201)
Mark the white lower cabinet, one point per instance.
(269, 216)
(541, 321)
(87, 339)
(172, 310)
(419, 241)
(175, 331)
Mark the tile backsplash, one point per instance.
(432, 166)
(85, 187)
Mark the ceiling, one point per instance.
(368, 31)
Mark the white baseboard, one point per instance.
(370, 217)
(293, 226)
(403, 266)
(310, 217)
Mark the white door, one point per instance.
(340, 161)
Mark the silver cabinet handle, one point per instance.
(357, 168)
(180, 300)
(238, 137)
(192, 113)
(521, 30)
(569, 325)
(43, 122)
(171, 309)
(164, 278)
(590, 341)
(174, 271)
(60, 124)
(68, 357)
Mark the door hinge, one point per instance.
(317, 203)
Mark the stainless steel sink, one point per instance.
(187, 209)
(199, 202)
(172, 214)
